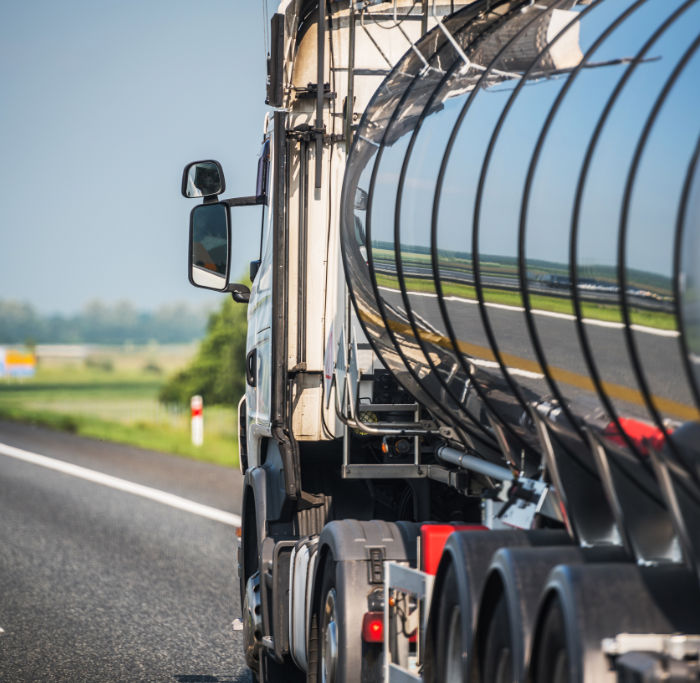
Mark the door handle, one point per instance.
(251, 366)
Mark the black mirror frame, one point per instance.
(185, 173)
(228, 238)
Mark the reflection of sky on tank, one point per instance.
(648, 247)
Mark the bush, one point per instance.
(217, 372)
(103, 364)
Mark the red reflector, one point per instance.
(640, 433)
(373, 627)
(433, 538)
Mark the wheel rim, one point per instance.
(329, 640)
(453, 656)
(252, 616)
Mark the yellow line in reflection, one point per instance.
(617, 391)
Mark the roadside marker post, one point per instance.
(196, 405)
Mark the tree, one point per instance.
(217, 372)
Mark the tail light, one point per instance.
(373, 627)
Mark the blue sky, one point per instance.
(102, 104)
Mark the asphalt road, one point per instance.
(98, 584)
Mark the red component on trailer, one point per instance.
(433, 538)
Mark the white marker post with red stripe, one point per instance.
(196, 405)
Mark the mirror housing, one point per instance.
(203, 179)
(210, 246)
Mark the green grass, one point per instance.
(118, 404)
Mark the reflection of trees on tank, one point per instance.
(652, 291)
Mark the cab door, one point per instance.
(258, 340)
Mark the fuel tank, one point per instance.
(520, 221)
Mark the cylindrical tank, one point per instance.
(520, 220)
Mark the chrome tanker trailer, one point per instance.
(470, 437)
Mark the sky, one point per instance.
(102, 103)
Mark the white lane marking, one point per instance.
(121, 485)
(511, 371)
(2, 630)
(549, 314)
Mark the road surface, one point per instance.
(103, 584)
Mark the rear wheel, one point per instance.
(453, 658)
(252, 622)
(329, 657)
(329, 636)
(498, 654)
(551, 659)
(325, 629)
(450, 659)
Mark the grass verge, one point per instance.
(119, 405)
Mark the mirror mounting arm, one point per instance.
(239, 292)
(245, 201)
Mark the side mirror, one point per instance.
(210, 241)
(203, 179)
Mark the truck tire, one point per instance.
(345, 587)
(498, 658)
(329, 624)
(328, 665)
(508, 609)
(452, 636)
(584, 604)
(551, 659)
(459, 583)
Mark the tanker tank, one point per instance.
(520, 219)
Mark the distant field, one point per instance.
(111, 394)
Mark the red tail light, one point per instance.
(373, 627)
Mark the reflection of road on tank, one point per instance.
(562, 350)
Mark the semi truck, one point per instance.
(470, 438)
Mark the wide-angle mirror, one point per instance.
(203, 179)
(210, 237)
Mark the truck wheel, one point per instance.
(508, 609)
(329, 657)
(498, 658)
(328, 627)
(252, 622)
(450, 663)
(551, 660)
(586, 603)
